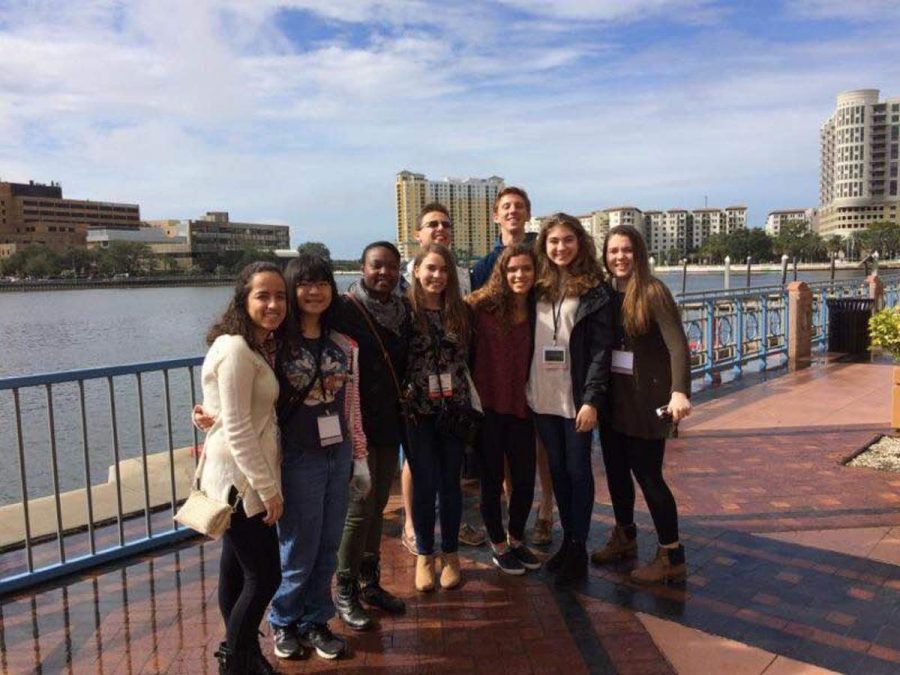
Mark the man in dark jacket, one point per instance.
(511, 212)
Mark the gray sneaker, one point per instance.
(526, 557)
(327, 644)
(508, 563)
(287, 643)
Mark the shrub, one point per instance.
(884, 331)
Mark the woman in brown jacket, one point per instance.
(651, 386)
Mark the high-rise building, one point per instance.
(35, 213)
(776, 219)
(469, 201)
(859, 163)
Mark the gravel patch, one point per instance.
(884, 455)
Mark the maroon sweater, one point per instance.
(501, 363)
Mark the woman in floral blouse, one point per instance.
(436, 377)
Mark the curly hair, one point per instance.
(643, 291)
(583, 273)
(496, 297)
(456, 313)
(235, 320)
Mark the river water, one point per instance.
(43, 332)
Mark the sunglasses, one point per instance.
(435, 224)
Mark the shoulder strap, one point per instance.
(384, 351)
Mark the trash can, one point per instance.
(848, 324)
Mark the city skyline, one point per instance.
(303, 112)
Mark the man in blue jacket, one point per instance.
(512, 210)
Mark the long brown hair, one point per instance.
(456, 314)
(235, 320)
(643, 291)
(583, 273)
(496, 297)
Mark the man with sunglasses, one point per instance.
(436, 227)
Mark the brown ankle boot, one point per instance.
(668, 566)
(424, 573)
(450, 571)
(622, 543)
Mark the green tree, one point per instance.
(77, 259)
(715, 248)
(316, 248)
(790, 239)
(129, 257)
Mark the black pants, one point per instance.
(627, 455)
(249, 575)
(513, 438)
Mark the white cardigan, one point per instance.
(240, 389)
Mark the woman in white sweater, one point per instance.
(241, 460)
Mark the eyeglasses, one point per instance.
(310, 285)
(435, 224)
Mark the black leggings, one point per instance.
(514, 438)
(249, 575)
(625, 455)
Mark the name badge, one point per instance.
(623, 362)
(329, 430)
(442, 388)
(554, 357)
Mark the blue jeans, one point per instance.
(315, 485)
(569, 456)
(436, 462)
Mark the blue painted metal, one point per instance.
(95, 373)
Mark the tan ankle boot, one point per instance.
(450, 572)
(668, 566)
(424, 573)
(622, 543)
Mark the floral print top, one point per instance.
(432, 351)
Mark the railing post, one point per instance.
(738, 337)
(876, 291)
(799, 325)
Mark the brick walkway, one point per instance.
(754, 461)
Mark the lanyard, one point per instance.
(557, 315)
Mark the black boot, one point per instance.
(372, 592)
(575, 564)
(230, 662)
(554, 564)
(346, 602)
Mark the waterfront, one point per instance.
(70, 330)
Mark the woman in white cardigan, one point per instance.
(242, 459)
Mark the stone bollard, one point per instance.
(799, 335)
(876, 291)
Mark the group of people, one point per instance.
(309, 396)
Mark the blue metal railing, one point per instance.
(79, 409)
(733, 329)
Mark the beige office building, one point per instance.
(777, 219)
(859, 163)
(469, 201)
(35, 213)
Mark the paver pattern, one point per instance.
(744, 465)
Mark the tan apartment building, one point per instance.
(196, 242)
(858, 183)
(36, 213)
(470, 202)
(777, 219)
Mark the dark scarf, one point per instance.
(390, 314)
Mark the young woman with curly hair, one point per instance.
(568, 380)
(241, 461)
(501, 355)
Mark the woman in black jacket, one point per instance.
(380, 322)
(569, 376)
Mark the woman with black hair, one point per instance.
(241, 459)
(323, 446)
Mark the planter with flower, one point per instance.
(884, 332)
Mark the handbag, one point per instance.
(406, 411)
(206, 514)
(459, 420)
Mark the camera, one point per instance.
(662, 412)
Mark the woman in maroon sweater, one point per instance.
(501, 357)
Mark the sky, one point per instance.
(302, 112)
